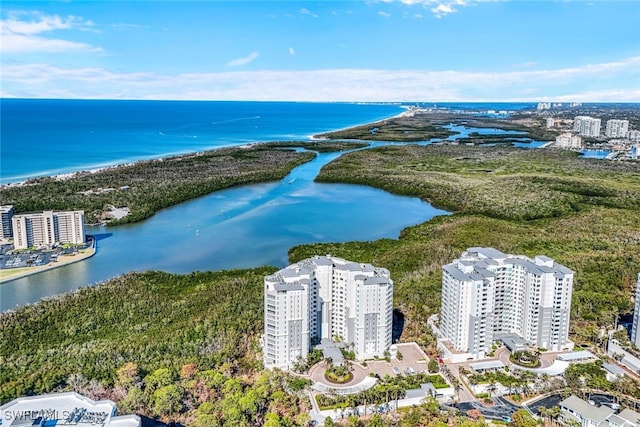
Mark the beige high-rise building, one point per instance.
(568, 141)
(47, 228)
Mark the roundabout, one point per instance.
(338, 374)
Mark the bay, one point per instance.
(237, 228)
(242, 227)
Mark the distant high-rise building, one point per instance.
(635, 326)
(544, 106)
(551, 122)
(324, 298)
(617, 128)
(6, 213)
(587, 126)
(568, 141)
(486, 292)
(633, 135)
(48, 228)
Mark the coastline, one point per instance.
(71, 172)
(317, 138)
(62, 261)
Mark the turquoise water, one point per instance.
(49, 137)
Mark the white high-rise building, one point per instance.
(635, 326)
(486, 292)
(47, 228)
(326, 298)
(617, 128)
(586, 126)
(6, 213)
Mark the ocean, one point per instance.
(51, 137)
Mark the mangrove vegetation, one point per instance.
(146, 187)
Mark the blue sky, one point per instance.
(391, 50)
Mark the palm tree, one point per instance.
(543, 412)
(545, 381)
(554, 412)
(491, 388)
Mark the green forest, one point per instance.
(146, 187)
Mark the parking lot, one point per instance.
(413, 361)
(33, 258)
(501, 409)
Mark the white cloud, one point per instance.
(442, 8)
(244, 60)
(305, 11)
(21, 31)
(606, 82)
(291, 51)
(384, 14)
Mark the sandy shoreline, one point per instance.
(9, 274)
(72, 174)
(316, 138)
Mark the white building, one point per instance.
(568, 141)
(63, 409)
(617, 128)
(543, 106)
(326, 298)
(633, 135)
(47, 228)
(586, 415)
(6, 213)
(635, 326)
(587, 126)
(486, 292)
